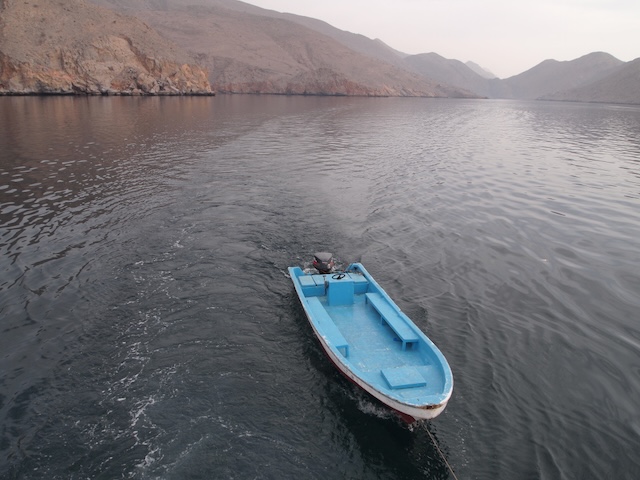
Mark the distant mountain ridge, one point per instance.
(551, 76)
(621, 85)
(242, 48)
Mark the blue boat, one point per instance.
(372, 342)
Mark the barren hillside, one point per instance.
(248, 52)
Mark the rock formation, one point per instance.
(75, 47)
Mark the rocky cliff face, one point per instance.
(74, 47)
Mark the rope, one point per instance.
(435, 444)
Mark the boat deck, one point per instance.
(374, 348)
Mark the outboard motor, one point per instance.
(323, 262)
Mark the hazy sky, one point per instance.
(506, 37)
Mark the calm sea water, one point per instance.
(148, 328)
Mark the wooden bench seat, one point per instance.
(327, 327)
(391, 317)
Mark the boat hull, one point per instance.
(373, 344)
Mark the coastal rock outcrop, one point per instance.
(324, 81)
(75, 47)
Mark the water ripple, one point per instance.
(148, 329)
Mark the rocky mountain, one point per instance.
(77, 47)
(251, 50)
(620, 86)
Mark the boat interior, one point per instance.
(359, 321)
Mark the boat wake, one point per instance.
(366, 406)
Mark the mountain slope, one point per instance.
(359, 43)
(372, 48)
(77, 47)
(452, 72)
(479, 70)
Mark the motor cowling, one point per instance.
(323, 262)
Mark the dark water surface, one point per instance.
(148, 328)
